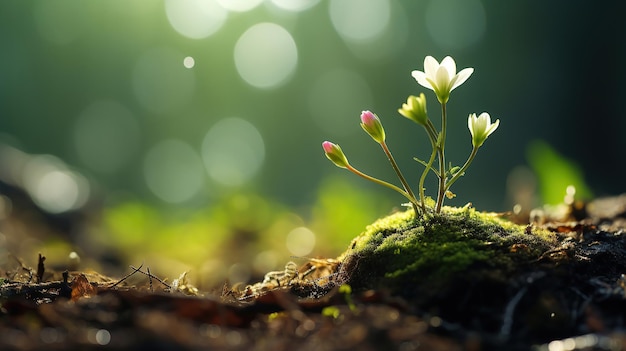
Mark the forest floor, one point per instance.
(572, 298)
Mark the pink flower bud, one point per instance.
(371, 124)
(335, 154)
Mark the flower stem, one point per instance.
(423, 177)
(432, 132)
(405, 185)
(442, 160)
(458, 174)
(383, 183)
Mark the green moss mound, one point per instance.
(402, 253)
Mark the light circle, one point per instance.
(195, 19)
(300, 241)
(266, 55)
(239, 5)
(233, 151)
(295, 5)
(355, 21)
(189, 62)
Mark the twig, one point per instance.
(150, 275)
(149, 278)
(135, 270)
(40, 268)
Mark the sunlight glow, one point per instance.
(295, 5)
(266, 55)
(233, 151)
(239, 5)
(189, 62)
(300, 241)
(52, 186)
(356, 22)
(195, 19)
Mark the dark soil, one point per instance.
(572, 298)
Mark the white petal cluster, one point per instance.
(481, 127)
(442, 77)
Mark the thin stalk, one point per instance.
(432, 135)
(383, 183)
(442, 160)
(405, 185)
(458, 174)
(432, 132)
(423, 177)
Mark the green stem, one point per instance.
(432, 132)
(458, 174)
(383, 183)
(405, 185)
(423, 177)
(432, 135)
(442, 160)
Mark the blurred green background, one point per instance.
(196, 126)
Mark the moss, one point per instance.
(399, 251)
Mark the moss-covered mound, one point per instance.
(417, 257)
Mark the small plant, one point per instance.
(441, 78)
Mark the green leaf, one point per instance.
(425, 164)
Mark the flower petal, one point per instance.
(470, 123)
(433, 85)
(461, 77)
(493, 127)
(484, 121)
(450, 65)
(443, 79)
(430, 66)
(420, 77)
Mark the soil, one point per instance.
(572, 297)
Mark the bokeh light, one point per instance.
(173, 171)
(239, 5)
(455, 24)
(266, 55)
(160, 83)
(300, 241)
(189, 62)
(233, 151)
(106, 136)
(195, 19)
(355, 21)
(295, 5)
(337, 99)
(52, 186)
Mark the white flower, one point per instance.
(441, 77)
(481, 127)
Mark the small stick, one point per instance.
(40, 268)
(135, 270)
(149, 278)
